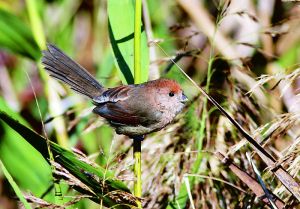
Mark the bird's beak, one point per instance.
(184, 98)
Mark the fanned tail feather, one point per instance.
(63, 68)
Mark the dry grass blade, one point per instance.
(40, 203)
(267, 194)
(281, 174)
(216, 179)
(200, 16)
(249, 181)
(188, 188)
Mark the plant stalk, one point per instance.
(137, 42)
(137, 79)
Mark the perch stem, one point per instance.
(137, 79)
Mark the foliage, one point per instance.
(244, 53)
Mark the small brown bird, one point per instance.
(133, 110)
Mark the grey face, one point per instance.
(170, 101)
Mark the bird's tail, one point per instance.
(63, 68)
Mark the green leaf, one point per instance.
(290, 57)
(36, 23)
(113, 190)
(14, 186)
(18, 157)
(121, 32)
(16, 36)
(105, 69)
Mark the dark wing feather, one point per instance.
(117, 114)
(63, 68)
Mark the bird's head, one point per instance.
(168, 95)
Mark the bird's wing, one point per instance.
(117, 114)
(116, 94)
(116, 105)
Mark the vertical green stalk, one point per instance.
(137, 79)
(137, 41)
(39, 36)
(36, 24)
(137, 169)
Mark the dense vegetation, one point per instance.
(55, 153)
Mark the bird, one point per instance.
(133, 110)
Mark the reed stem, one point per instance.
(137, 79)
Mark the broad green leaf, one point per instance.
(121, 32)
(14, 186)
(18, 157)
(105, 69)
(16, 36)
(113, 190)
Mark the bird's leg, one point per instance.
(137, 142)
(140, 137)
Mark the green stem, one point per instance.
(40, 38)
(137, 79)
(137, 41)
(137, 167)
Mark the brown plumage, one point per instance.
(133, 110)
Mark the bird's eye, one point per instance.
(171, 94)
